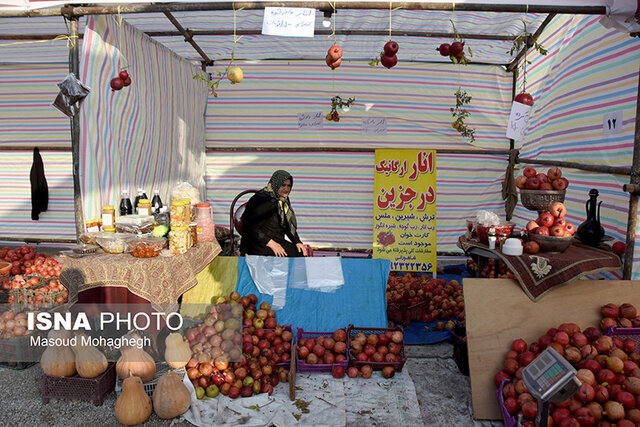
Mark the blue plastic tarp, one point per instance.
(360, 301)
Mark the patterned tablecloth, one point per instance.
(540, 273)
(159, 280)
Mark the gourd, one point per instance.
(171, 397)
(90, 362)
(58, 361)
(177, 352)
(133, 406)
(135, 362)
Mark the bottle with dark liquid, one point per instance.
(140, 194)
(126, 208)
(156, 202)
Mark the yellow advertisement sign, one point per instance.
(404, 209)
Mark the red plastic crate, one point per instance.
(376, 366)
(79, 388)
(320, 367)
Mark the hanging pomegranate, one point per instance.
(524, 98)
(334, 57)
(117, 83)
(388, 57)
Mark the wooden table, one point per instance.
(498, 312)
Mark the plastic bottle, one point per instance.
(126, 208)
(156, 202)
(492, 238)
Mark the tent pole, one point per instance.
(321, 5)
(74, 67)
(633, 196)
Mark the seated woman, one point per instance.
(268, 218)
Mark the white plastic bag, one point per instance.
(322, 274)
(270, 274)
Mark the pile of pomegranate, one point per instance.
(237, 361)
(378, 350)
(53, 292)
(439, 299)
(607, 368)
(532, 180)
(550, 223)
(26, 260)
(493, 268)
(13, 325)
(324, 350)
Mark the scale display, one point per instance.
(546, 376)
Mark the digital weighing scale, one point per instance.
(549, 378)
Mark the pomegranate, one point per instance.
(610, 310)
(519, 345)
(366, 371)
(584, 416)
(352, 372)
(592, 333)
(511, 405)
(337, 372)
(628, 311)
(626, 399)
(614, 410)
(388, 372)
(585, 393)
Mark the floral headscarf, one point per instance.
(286, 214)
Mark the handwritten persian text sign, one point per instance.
(518, 121)
(289, 21)
(310, 121)
(404, 209)
(374, 126)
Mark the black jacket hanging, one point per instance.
(39, 187)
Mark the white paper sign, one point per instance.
(612, 123)
(374, 126)
(289, 21)
(518, 121)
(310, 121)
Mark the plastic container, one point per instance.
(18, 353)
(512, 247)
(376, 366)
(136, 224)
(5, 272)
(206, 227)
(78, 388)
(113, 243)
(460, 350)
(179, 239)
(320, 367)
(145, 246)
(624, 333)
(177, 211)
(144, 207)
(161, 369)
(193, 234)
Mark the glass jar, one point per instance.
(108, 216)
(162, 217)
(179, 239)
(206, 226)
(193, 234)
(177, 214)
(144, 207)
(187, 211)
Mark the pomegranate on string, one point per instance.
(388, 56)
(524, 98)
(122, 80)
(334, 57)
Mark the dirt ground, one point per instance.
(443, 393)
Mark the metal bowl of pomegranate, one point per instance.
(551, 243)
(540, 200)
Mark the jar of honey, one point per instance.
(144, 207)
(108, 216)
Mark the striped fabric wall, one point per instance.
(150, 134)
(26, 114)
(15, 196)
(589, 72)
(333, 191)
(414, 98)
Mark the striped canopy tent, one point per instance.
(590, 71)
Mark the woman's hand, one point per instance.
(302, 248)
(277, 249)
